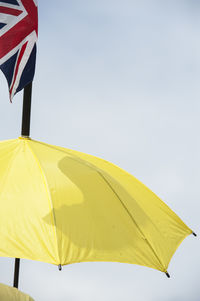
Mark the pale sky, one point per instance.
(119, 80)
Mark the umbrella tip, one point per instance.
(60, 267)
(167, 274)
(194, 234)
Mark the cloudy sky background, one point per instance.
(119, 80)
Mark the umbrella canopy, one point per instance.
(62, 206)
(8, 293)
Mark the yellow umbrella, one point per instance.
(62, 206)
(8, 293)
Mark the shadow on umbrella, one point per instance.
(98, 210)
(98, 224)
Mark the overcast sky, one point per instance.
(119, 79)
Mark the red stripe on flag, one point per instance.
(17, 65)
(10, 11)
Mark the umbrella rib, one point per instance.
(141, 232)
(48, 196)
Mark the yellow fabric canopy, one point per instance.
(61, 206)
(8, 293)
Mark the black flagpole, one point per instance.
(16, 273)
(25, 132)
(26, 115)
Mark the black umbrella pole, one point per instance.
(16, 274)
(26, 114)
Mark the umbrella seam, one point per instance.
(48, 196)
(147, 241)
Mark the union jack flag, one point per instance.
(18, 37)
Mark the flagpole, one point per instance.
(25, 132)
(26, 114)
(16, 273)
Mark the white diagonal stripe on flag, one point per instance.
(5, 18)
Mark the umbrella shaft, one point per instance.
(26, 114)
(16, 273)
